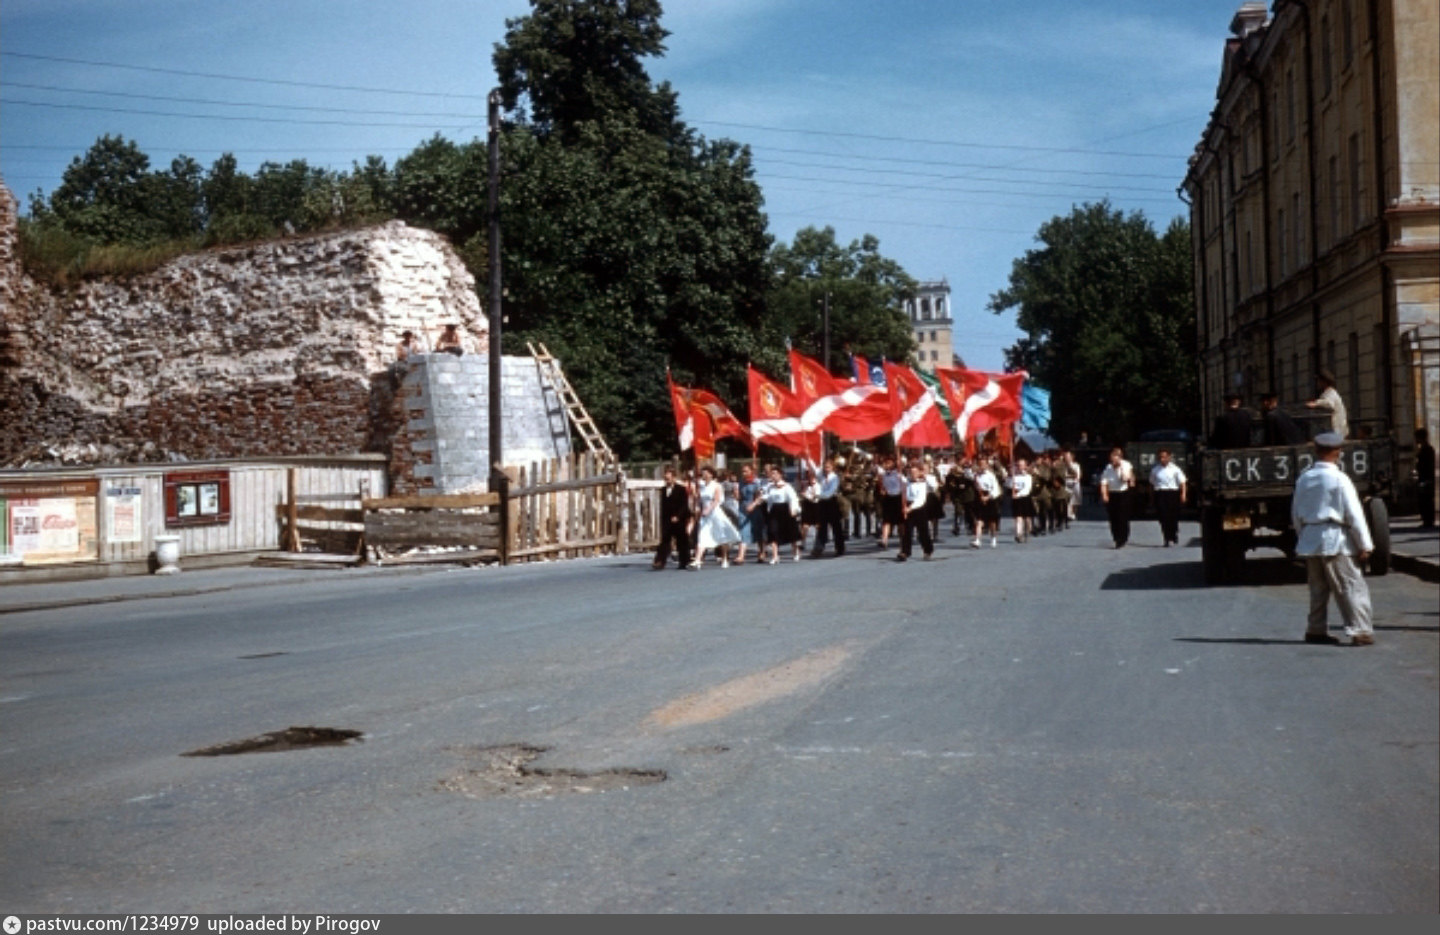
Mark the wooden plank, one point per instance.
(439, 558)
(457, 501)
(292, 490)
(388, 530)
(329, 498)
(319, 513)
(562, 547)
(338, 541)
(583, 483)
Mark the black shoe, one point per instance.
(901, 557)
(1324, 639)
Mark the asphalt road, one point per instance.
(1056, 726)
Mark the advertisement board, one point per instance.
(51, 521)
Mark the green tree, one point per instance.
(1106, 307)
(866, 293)
(103, 195)
(573, 62)
(629, 243)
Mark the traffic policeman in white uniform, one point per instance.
(1334, 540)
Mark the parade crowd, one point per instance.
(722, 516)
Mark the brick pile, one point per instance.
(274, 349)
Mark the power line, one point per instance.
(210, 101)
(231, 117)
(200, 74)
(900, 139)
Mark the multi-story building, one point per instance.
(929, 313)
(1315, 211)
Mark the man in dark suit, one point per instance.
(1280, 429)
(1232, 428)
(674, 521)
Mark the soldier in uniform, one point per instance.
(1059, 501)
(956, 483)
(1041, 472)
(858, 488)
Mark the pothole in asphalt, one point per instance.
(505, 771)
(291, 738)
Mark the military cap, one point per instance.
(1329, 440)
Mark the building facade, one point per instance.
(929, 313)
(1315, 210)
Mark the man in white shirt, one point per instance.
(1334, 539)
(1115, 483)
(1167, 483)
(828, 520)
(917, 513)
(1329, 400)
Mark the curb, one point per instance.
(1422, 568)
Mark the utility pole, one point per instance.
(825, 336)
(499, 482)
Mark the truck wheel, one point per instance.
(1378, 516)
(1212, 554)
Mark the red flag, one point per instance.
(914, 412)
(980, 401)
(694, 433)
(701, 417)
(724, 423)
(776, 418)
(851, 410)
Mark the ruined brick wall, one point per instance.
(275, 349)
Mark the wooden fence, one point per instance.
(566, 508)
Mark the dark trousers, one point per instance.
(860, 514)
(917, 522)
(1167, 510)
(1427, 503)
(680, 535)
(829, 521)
(1118, 509)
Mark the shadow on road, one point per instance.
(1244, 640)
(1172, 576)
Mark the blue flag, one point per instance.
(1035, 408)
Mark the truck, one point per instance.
(1245, 498)
(1144, 453)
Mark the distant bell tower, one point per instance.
(929, 315)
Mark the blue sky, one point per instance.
(949, 130)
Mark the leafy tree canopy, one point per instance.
(866, 293)
(1106, 307)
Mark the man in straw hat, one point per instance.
(1334, 541)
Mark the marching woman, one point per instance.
(1022, 502)
(715, 531)
(987, 503)
(782, 510)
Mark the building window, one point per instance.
(1284, 245)
(1291, 104)
(934, 355)
(1337, 195)
(1295, 388)
(925, 309)
(1347, 33)
(1357, 187)
(1353, 375)
(1326, 65)
(1298, 218)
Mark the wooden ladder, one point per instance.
(550, 370)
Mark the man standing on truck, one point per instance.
(1232, 428)
(1329, 400)
(1167, 483)
(1334, 540)
(1280, 429)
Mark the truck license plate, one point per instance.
(1237, 521)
